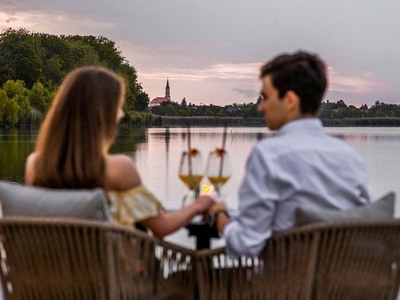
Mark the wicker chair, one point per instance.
(71, 259)
(352, 260)
(75, 259)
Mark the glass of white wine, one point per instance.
(191, 173)
(218, 169)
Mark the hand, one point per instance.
(203, 203)
(216, 207)
(213, 219)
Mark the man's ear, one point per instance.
(292, 101)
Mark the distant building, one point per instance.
(158, 100)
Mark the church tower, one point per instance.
(167, 93)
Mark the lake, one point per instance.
(157, 152)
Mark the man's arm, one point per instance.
(258, 194)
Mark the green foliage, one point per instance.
(22, 56)
(21, 106)
(9, 109)
(17, 105)
(142, 100)
(39, 97)
(3, 100)
(184, 103)
(32, 65)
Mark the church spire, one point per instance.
(167, 92)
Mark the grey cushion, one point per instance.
(383, 208)
(22, 200)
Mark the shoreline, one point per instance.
(199, 121)
(259, 122)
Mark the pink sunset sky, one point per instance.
(212, 51)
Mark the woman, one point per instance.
(72, 152)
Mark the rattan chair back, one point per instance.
(75, 259)
(352, 260)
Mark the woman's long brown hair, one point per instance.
(78, 128)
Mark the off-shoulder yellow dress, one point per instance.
(134, 205)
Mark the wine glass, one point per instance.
(191, 173)
(218, 168)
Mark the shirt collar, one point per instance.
(305, 124)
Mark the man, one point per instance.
(299, 166)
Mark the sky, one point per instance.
(212, 50)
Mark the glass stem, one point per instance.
(184, 200)
(196, 192)
(218, 190)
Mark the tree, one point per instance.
(39, 97)
(184, 103)
(142, 101)
(159, 110)
(129, 74)
(16, 92)
(22, 56)
(105, 48)
(341, 104)
(9, 109)
(37, 57)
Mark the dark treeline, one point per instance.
(340, 110)
(329, 110)
(174, 109)
(32, 65)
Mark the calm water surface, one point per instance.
(157, 151)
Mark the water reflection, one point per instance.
(15, 146)
(167, 135)
(129, 140)
(156, 152)
(158, 163)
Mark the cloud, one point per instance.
(240, 71)
(248, 92)
(56, 23)
(365, 82)
(10, 20)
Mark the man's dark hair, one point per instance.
(302, 73)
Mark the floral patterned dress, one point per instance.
(134, 205)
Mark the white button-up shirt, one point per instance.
(300, 165)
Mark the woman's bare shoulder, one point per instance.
(29, 168)
(121, 173)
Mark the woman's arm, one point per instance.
(168, 222)
(122, 175)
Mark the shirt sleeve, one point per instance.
(365, 193)
(248, 233)
(134, 205)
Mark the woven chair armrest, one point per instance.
(210, 252)
(163, 243)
